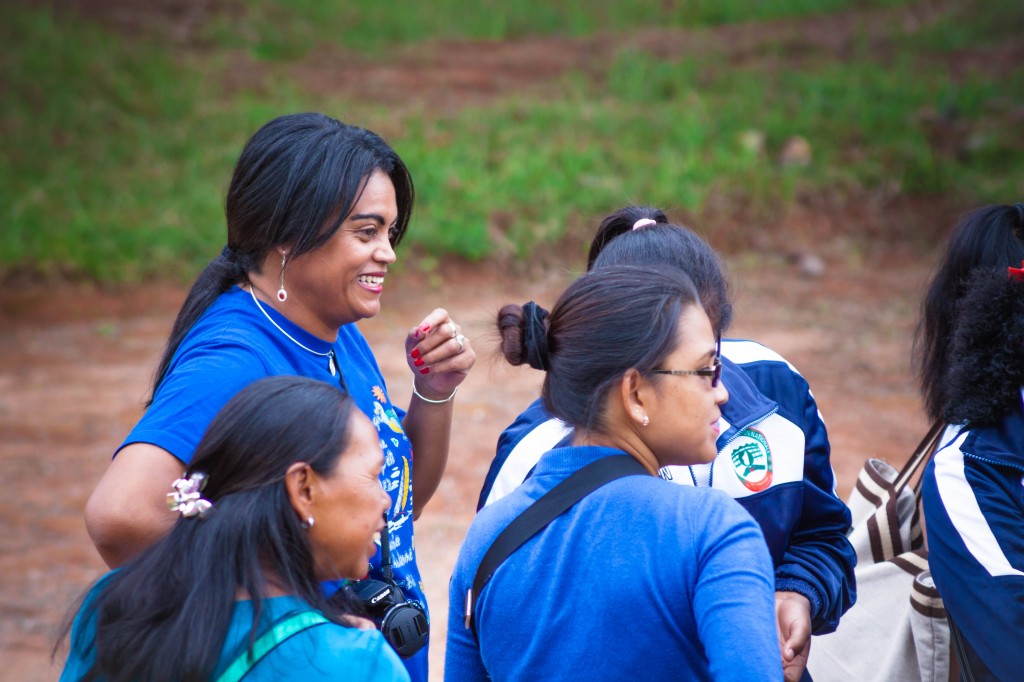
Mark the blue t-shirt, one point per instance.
(641, 579)
(232, 345)
(322, 652)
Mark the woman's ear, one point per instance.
(298, 480)
(634, 396)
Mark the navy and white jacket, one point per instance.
(973, 491)
(773, 458)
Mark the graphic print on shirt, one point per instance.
(396, 477)
(751, 459)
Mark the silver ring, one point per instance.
(462, 342)
(451, 325)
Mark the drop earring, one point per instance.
(282, 295)
(647, 420)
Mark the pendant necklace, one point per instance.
(332, 362)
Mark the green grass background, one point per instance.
(117, 148)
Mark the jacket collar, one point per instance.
(1002, 443)
(746, 405)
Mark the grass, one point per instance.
(285, 29)
(117, 152)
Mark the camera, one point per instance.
(403, 622)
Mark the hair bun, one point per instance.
(535, 336)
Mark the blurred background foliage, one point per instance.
(521, 122)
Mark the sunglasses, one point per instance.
(714, 371)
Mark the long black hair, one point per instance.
(989, 238)
(165, 614)
(617, 243)
(604, 324)
(297, 179)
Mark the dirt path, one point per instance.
(75, 363)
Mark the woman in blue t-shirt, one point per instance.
(640, 578)
(282, 493)
(314, 211)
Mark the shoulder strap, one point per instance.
(282, 630)
(544, 511)
(922, 454)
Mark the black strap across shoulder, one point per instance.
(542, 512)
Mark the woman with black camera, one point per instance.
(640, 576)
(282, 493)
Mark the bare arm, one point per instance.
(127, 510)
(440, 358)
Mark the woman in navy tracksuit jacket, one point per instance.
(970, 350)
(773, 451)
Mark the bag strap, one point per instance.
(922, 454)
(883, 526)
(544, 511)
(279, 632)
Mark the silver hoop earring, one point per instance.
(308, 523)
(282, 295)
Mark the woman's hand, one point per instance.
(439, 355)
(793, 617)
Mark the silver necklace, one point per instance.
(331, 361)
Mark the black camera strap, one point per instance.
(542, 512)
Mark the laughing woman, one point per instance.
(314, 212)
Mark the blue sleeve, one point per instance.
(819, 559)
(975, 519)
(196, 386)
(735, 582)
(520, 446)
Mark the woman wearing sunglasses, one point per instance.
(773, 451)
(639, 576)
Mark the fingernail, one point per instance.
(415, 353)
(418, 362)
(425, 370)
(416, 334)
(425, 328)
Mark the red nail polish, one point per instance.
(418, 362)
(415, 353)
(425, 328)
(425, 370)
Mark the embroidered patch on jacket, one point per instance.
(752, 460)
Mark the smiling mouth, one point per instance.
(372, 280)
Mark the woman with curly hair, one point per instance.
(970, 355)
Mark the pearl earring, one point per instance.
(647, 420)
(308, 523)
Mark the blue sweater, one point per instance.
(640, 578)
(773, 458)
(973, 492)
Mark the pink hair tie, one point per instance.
(1015, 273)
(644, 222)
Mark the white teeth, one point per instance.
(371, 279)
